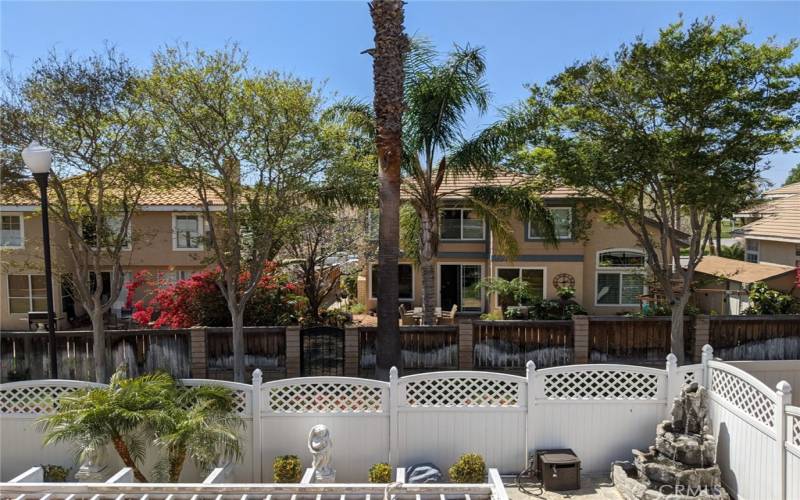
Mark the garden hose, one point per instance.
(527, 483)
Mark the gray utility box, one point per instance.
(559, 470)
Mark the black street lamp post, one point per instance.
(38, 159)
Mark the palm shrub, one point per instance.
(198, 423)
(515, 292)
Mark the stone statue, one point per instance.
(321, 448)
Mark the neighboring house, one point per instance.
(165, 239)
(606, 268)
(721, 285)
(771, 230)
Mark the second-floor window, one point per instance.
(27, 293)
(461, 224)
(562, 220)
(113, 228)
(751, 251)
(187, 232)
(11, 231)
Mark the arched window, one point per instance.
(620, 277)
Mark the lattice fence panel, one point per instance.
(690, 377)
(461, 392)
(241, 400)
(793, 431)
(32, 400)
(601, 384)
(324, 397)
(744, 396)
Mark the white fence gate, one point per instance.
(600, 411)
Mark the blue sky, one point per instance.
(525, 42)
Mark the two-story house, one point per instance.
(604, 265)
(771, 230)
(165, 238)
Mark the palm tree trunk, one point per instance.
(391, 45)
(176, 459)
(98, 344)
(427, 252)
(124, 454)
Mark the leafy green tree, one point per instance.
(104, 158)
(254, 142)
(765, 301)
(665, 133)
(794, 175)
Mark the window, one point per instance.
(27, 293)
(181, 275)
(186, 232)
(620, 277)
(113, 229)
(11, 231)
(562, 220)
(534, 278)
(461, 224)
(405, 277)
(458, 286)
(751, 251)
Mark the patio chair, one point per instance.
(449, 318)
(408, 319)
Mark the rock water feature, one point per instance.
(682, 463)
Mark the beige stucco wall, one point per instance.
(151, 249)
(777, 252)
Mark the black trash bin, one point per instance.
(559, 470)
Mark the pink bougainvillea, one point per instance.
(199, 301)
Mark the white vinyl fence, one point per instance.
(600, 411)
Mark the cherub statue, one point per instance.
(321, 448)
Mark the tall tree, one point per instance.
(663, 129)
(87, 112)
(794, 175)
(391, 46)
(253, 143)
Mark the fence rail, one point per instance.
(422, 348)
(509, 345)
(634, 340)
(755, 337)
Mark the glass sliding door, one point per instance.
(457, 286)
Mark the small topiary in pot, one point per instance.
(380, 473)
(55, 473)
(287, 469)
(470, 468)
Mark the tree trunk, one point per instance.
(99, 344)
(426, 253)
(237, 336)
(124, 454)
(176, 459)
(676, 329)
(391, 45)
(718, 235)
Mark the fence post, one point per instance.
(198, 352)
(255, 411)
(708, 355)
(394, 399)
(580, 336)
(783, 391)
(530, 420)
(673, 381)
(465, 331)
(351, 351)
(702, 336)
(292, 351)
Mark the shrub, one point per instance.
(198, 301)
(380, 473)
(55, 473)
(492, 316)
(765, 301)
(358, 308)
(287, 469)
(470, 468)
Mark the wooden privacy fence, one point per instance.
(639, 341)
(755, 337)
(24, 355)
(264, 347)
(508, 345)
(423, 349)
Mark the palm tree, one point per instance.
(118, 415)
(197, 423)
(202, 425)
(438, 96)
(391, 45)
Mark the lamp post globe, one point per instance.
(39, 159)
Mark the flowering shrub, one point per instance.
(199, 301)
